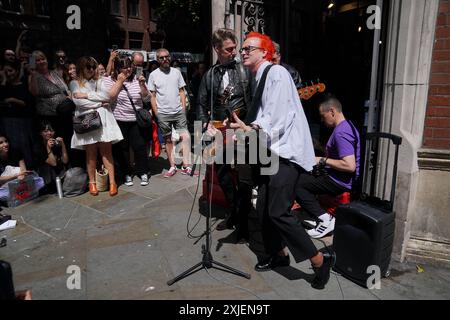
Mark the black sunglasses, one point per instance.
(91, 67)
(249, 49)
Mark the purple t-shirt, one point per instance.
(344, 142)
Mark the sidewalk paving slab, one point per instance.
(129, 246)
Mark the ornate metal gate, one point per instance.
(245, 16)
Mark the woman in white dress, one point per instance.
(89, 94)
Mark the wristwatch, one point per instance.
(323, 162)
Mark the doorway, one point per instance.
(328, 42)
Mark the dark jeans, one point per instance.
(276, 194)
(309, 186)
(137, 138)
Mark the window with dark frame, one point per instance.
(116, 7)
(42, 7)
(12, 5)
(133, 8)
(136, 39)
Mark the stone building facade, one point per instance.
(413, 102)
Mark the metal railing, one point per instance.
(245, 16)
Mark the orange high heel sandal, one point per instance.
(113, 190)
(93, 189)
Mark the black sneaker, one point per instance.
(272, 263)
(323, 272)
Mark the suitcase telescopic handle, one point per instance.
(377, 135)
(397, 141)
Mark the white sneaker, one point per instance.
(323, 228)
(129, 181)
(144, 180)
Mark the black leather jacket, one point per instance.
(294, 74)
(243, 83)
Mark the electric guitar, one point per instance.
(225, 101)
(307, 93)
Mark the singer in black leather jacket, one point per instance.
(239, 77)
(228, 72)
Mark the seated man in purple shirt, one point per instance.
(338, 169)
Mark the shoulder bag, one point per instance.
(87, 122)
(143, 117)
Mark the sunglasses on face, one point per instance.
(91, 67)
(249, 49)
(162, 58)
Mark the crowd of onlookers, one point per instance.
(40, 94)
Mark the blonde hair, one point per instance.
(39, 54)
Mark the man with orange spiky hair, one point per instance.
(278, 114)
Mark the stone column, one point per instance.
(218, 18)
(407, 73)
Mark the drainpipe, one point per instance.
(227, 14)
(373, 103)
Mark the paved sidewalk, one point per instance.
(129, 246)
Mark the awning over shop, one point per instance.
(183, 57)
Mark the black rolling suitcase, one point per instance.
(364, 229)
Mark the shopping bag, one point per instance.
(156, 145)
(101, 178)
(22, 191)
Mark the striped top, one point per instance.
(122, 108)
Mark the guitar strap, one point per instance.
(256, 102)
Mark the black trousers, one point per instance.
(309, 186)
(137, 138)
(276, 194)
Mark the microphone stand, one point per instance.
(207, 260)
